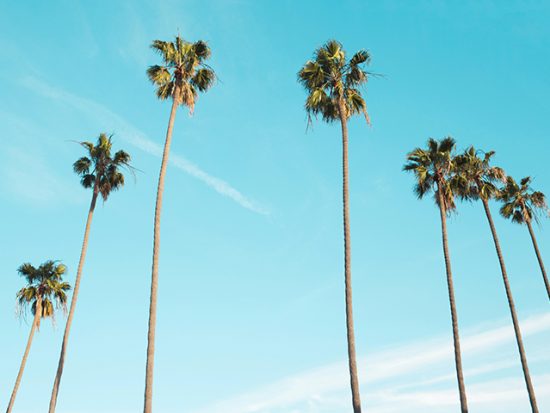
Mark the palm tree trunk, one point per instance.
(539, 257)
(148, 403)
(454, 317)
(354, 381)
(35, 323)
(57, 381)
(512, 306)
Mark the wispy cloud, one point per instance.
(134, 136)
(411, 376)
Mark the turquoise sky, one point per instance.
(251, 299)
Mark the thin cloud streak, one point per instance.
(308, 391)
(137, 138)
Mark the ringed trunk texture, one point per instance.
(512, 306)
(539, 257)
(35, 324)
(148, 402)
(454, 316)
(57, 381)
(354, 381)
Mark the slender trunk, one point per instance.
(539, 257)
(35, 323)
(57, 381)
(148, 403)
(519, 340)
(354, 381)
(454, 317)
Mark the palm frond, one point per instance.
(362, 56)
(167, 51)
(203, 79)
(201, 50)
(159, 75)
(165, 91)
(82, 166)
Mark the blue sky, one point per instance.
(251, 309)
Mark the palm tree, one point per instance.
(432, 168)
(102, 173)
(475, 179)
(521, 205)
(45, 286)
(183, 74)
(333, 85)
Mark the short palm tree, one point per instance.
(100, 171)
(476, 179)
(432, 168)
(44, 292)
(521, 204)
(334, 86)
(182, 75)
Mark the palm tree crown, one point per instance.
(101, 170)
(432, 168)
(332, 81)
(474, 176)
(521, 203)
(43, 283)
(184, 72)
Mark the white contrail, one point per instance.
(137, 138)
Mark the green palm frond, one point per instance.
(201, 50)
(167, 51)
(165, 91)
(87, 181)
(82, 166)
(203, 79)
(159, 75)
(362, 56)
(121, 158)
(89, 147)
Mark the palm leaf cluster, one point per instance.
(475, 178)
(46, 284)
(101, 170)
(521, 203)
(334, 84)
(432, 168)
(184, 72)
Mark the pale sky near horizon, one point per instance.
(251, 299)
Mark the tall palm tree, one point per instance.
(45, 286)
(101, 172)
(476, 179)
(521, 205)
(432, 168)
(334, 86)
(182, 75)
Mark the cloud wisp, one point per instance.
(137, 138)
(418, 376)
